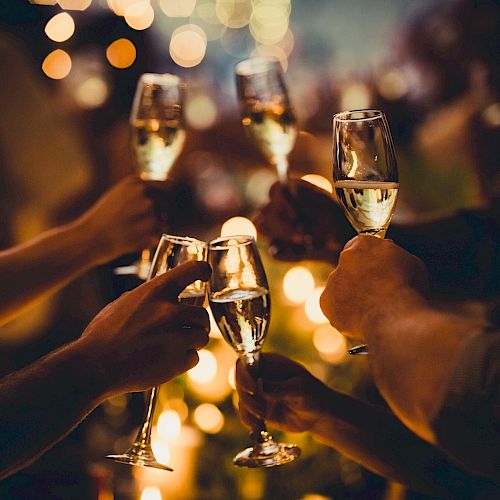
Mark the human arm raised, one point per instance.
(42, 403)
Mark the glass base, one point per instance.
(267, 454)
(144, 460)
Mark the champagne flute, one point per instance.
(171, 252)
(239, 298)
(266, 112)
(365, 173)
(158, 135)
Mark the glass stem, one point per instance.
(143, 438)
(281, 163)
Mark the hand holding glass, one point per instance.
(365, 173)
(171, 252)
(239, 298)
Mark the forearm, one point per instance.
(42, 403)
(413, 384)
(373, 437)
(43, 265)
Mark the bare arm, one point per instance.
(121, 221)
(40, 404)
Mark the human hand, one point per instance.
(303, 221)
(374, 279)
(146, 336)
(123, 220)
(285, 395)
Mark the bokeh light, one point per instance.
(139, 15)
(120, 6)
(298, 284)
(231, 377)
(233, 13)
(188, 45)
(151, 493)
(161, 449)
(258, 185)
(201, 112)
(318, 181)
(57, 64)
(91, 92)
(60, 27)
(312, 308)
(169, 424)
(392, 85)
(206, 369)
(74, 4)
(330, 343)
(121, 53)
(355, 96)
(209, 418)
(238, 226)
(214, 329)
(177, 8)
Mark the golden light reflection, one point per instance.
(312, 308)
(121, 53)
(318, 181)
(231, 377)
(140, 15)
(209, 418)
(206, 369)
(74, 4)
(57, 64)
(169, 424)
(355, 96)
(201, 112)
(238, 226)
(177, 8)
(120, 6)
(214, 329)
(354, 167)
(151, 493)
(188, 45)
(233, 13)
(91, 93)
(330, 343)
(60, 27)
(298, 284)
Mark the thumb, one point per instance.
(170, 284)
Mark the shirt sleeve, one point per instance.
(467, 422)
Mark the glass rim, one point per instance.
(160, 79)
(241, 239)
(255, 65)
(182, 240)
(344, 116)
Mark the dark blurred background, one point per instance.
(67, 76)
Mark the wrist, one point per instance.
(91, 240)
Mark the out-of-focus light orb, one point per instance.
(60, 27)
(169, 424)
(318, 181)
(140, 15)
(312, 308)
(392, 85)
(201, 112)
(273, 51)
(121, 53)
(491, 115)
(188, 45)
(57, 64)
(231, 377)
(209, 418)
(298, 284)
(177, 8)
(355, 96)
(206, 369)
(238, 226)
(269, 22)
(233, 13)
(314, 496)
(330, 343)
(91, 93)
(151, 493)
(258, 185)
(74, 4)
(120, 6)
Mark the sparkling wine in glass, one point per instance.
(171, 252)
(365, 173)
(266, 111)
(239, 298)
(158, 134)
